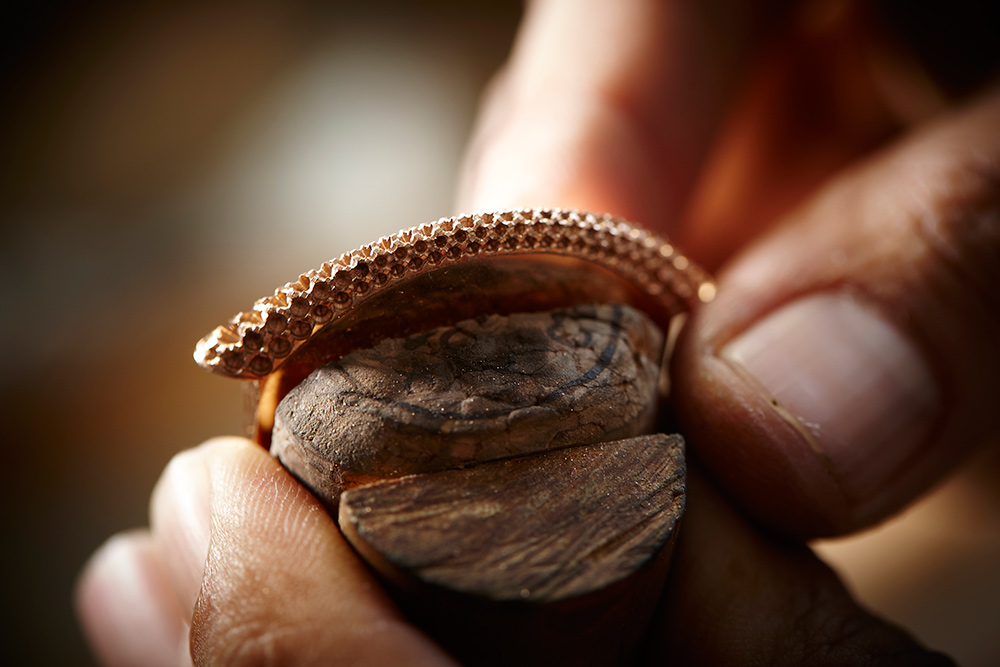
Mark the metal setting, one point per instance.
(255, 343)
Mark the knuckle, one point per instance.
(960, 221)
(959, 224)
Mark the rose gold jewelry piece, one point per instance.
(570, 246)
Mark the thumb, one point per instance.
(851, 359)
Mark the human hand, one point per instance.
(241, 565)
(581, 113)
(848, 362)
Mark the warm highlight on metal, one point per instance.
(256, 342)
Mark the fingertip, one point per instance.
(223, 445)
(180, 518)
(181, 511)
(756, 452)
(126, 608)
(857, 390)
(810, 413)
(280, 582)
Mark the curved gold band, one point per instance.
(257, 342)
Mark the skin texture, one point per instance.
(882, 226)
(912, 233)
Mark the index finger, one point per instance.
(609, 106)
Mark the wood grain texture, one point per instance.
(444, 297)
(487, 388)
(549, 558)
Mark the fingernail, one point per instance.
(858, 391)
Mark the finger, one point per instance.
(179, 516)
(608, 106)
(736, 598)
(810, 106)
(850, 360)
(126, 607)
(280, 584)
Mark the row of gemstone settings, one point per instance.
(255, 342)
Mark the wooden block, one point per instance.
(482, 389)
(550, 558)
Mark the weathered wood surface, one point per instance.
(550, 558)
(488, 388)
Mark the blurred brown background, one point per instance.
(163, 165)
